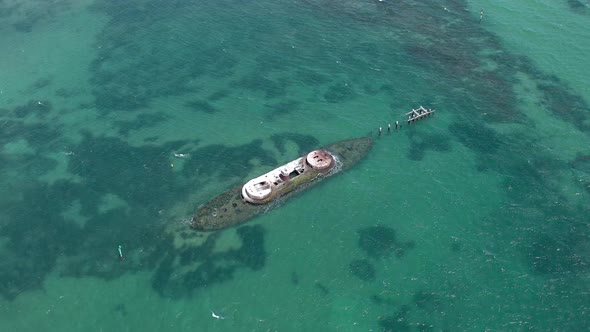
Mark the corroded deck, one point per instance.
(229, 209)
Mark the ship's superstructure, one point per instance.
(244, 202)
(285, 178)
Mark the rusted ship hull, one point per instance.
(229, 208)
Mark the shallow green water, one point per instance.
(475, 219)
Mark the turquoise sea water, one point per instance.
(473, 220)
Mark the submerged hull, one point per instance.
(230, 208)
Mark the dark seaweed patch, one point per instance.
(258, 83)
(422, 142)
(322, 288)
(281, 108)
(380, 241)
(495, 96)
(557, 246)
(476, 137)
(305, 143)
(396, 322)
(581, 171)
(219, 63)
(213, 267)
(24, 26)
(132, 68)
(40, 83)
(549, 256)
(564, 103)
(201, 106)
(252, 253)
(30, 15)
(532, 182)
(67, 93)
(121, 309)
(8, 9)
(456, 245)
(96, 253)
(403, 320)
(30, 230)
(115, 98)
(151, 139)
(577, 6)
(109, 165)
(363, 269)
(217, 95)
(428, 301)
(339, 93)
(383, 300)
(40, 108)
(215, 159)
(439, 56)
(41, 137)
(144, 120)
(271, 61)
(582, 162)
(312, 77)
